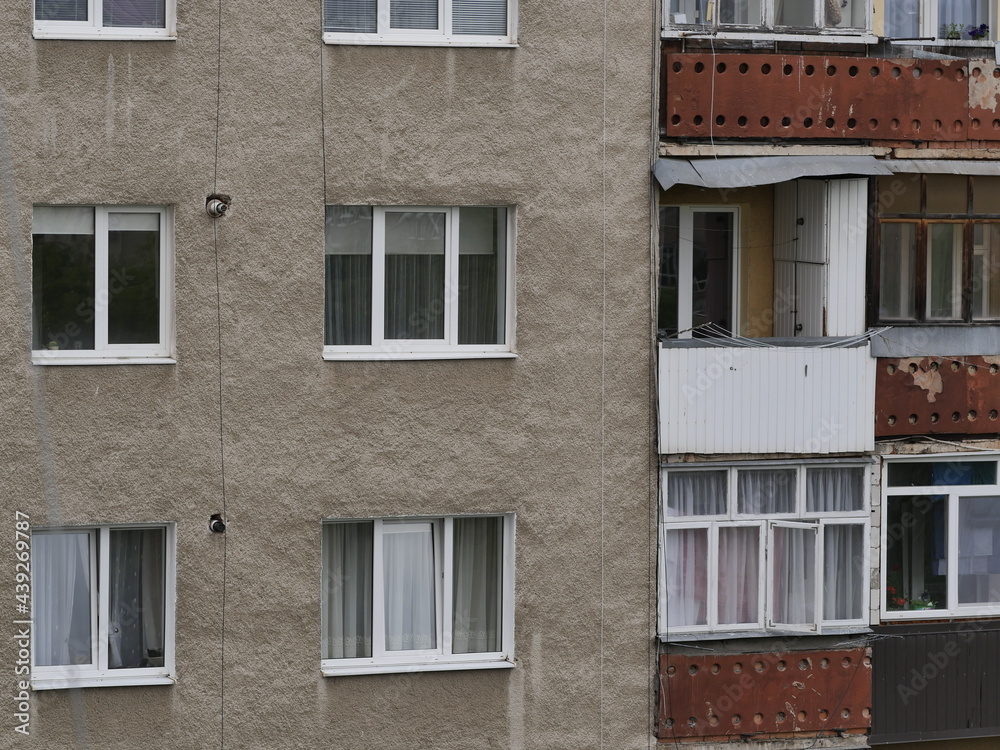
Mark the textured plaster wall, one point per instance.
(560, 128)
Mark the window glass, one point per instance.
(410, 587)
(352, 16)
(63, 277)
(986, 271)
(794, 575)
(133, 278)
(669, 270)
(941, 473)
(739, 575)
(947, 194)
(137, 598)
(979, 550)
(347, 580)
(944, 271)
(61, 10)
(481, 275)
(835, 490)
(61, 598)
(484, 17)
(686, 553)
(766, 491)
(845, 571)
(135, 13)
(916, 552)
(899, 194)
(477, 585)
(348, 275)
(413, 14)
(697, 493)
(414, 275)
(985, 194)
(712, 269)
(472, 22)
(898, 271)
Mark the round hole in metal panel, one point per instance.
(786, 122)
(678, 67)
(915, 126)
(852, 71)
(851, 123)
(974, 122)
(720, 120)
(697, 120)
(721, 67)
(741, 121)
(917, 72)
(973, 369)
(780, 716)
(874, 72)
(955, 416)
(830, 122)
(765, 68)
(787, 70)
(913, 419)
(895, 72)
(891, 420)
(845, 662)
(698, 67)
(934, 418)
(801, 716)
(831, 70)
(675, 120)
(744, 68)
(765, 121)
(736, 720)
(973, 415)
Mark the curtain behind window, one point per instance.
(684, 568)
(835, 490)
(487, 17)
(739, 580)
(482, 240)
(357, 16)
(415, 274)
(696, 493)
(137, 596)
(844, 572)
(61, 603)
(794, 575)
(765, 491)
(477, 558)
(347, 590)
(150, 14)
(409, 586)
(348, 275)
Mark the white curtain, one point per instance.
(764, 491)
(794, 575)
(835, 490)
(696, 493)
(739, 579)
(685, 571)
(476, 585)
(347, 590)
(61, 586)
(409, 586)
(844, 572)
(137, 596)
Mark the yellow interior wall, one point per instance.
(756, 272)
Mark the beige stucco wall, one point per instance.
(561, 436)
(756, 259)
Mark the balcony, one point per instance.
(775, 396)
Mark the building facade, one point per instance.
(407, 365)
(827, 317)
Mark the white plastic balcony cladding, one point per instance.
(819, 264)
(766, 400)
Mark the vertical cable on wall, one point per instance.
(222, 444)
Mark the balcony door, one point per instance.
(697, 280)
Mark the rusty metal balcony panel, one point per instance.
(937, 396)
(726, 696)
(817, 97)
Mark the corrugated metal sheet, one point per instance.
(728, 696)
(735, 172)
(810, 286)
(848, 235)
(766, 400)
(935, 681)
(812, 206)
(784, 298)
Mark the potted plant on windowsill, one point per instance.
(951, 31)
(979, 32)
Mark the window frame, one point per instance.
(922, 223)
(685, 265)
(954, 493)
(442, 37)
(928, 26)
(439, 658)
(110, 354)
(768, 30)
(94, 28)
(802, 517)
(98, 674)
(448, 347)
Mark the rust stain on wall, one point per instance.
(778, 694)
(937, 395)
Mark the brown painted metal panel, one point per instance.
(783, 694)
(937, 395)
(739, 95)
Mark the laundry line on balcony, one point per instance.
(712, 334)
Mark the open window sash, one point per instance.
(793, 576)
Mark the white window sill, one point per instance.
(439, 666)
(330, 354)
(941, 43)
(57, 683)
(938, 614)
(416, 40)
(53, 358)
(775, 633)
(92, 33)
(841, 38)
